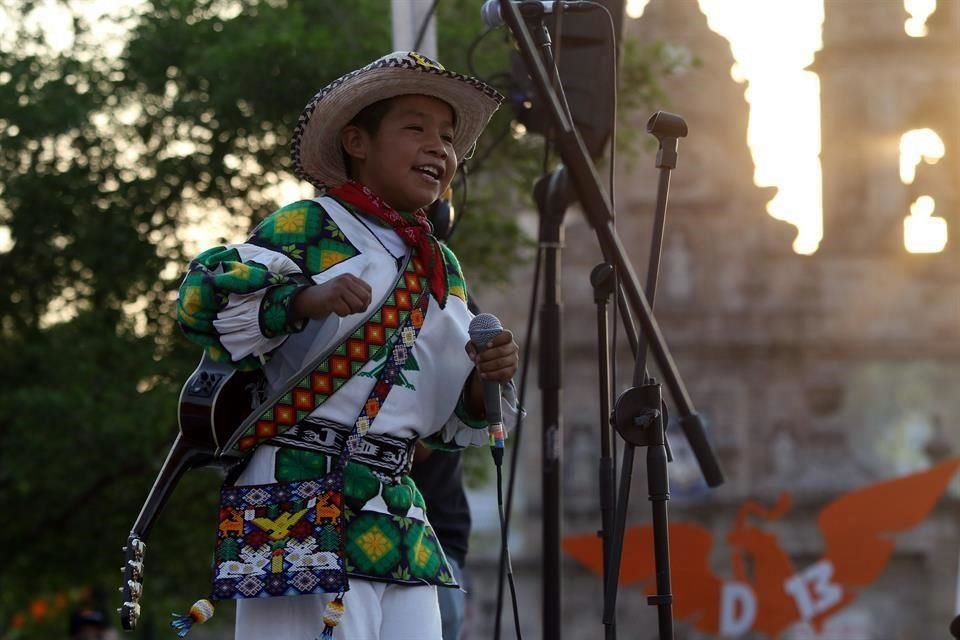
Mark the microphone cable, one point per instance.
(422, 31)
(505, 565)
(504, 548)
(471, 51)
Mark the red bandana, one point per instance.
(414, 228)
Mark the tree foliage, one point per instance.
(109, 164)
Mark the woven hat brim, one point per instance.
(316, 153)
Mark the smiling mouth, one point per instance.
(430, 171)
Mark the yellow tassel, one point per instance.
(200, 612)
(332, 615)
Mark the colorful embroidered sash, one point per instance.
(333, 371)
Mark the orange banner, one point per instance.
(858, 531)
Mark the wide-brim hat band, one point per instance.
(315, 147)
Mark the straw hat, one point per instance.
(315, 148)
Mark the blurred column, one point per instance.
(408, 18)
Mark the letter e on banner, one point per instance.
(738, 608)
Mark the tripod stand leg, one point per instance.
(602, 279)
(612, 575)
(658, 484)
(640, 417)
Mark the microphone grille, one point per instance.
(483, 327)
(490, 13)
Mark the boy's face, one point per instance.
(410, 161)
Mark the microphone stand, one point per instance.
(597, 208)
(603, 281)
(552, 195)
(640, 416)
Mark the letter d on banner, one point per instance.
(738, 608)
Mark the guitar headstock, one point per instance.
(132, 588)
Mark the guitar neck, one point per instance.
(180, 458)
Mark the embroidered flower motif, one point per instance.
(423, 555)
(402, 574)
(374, 544)
(291, 221)
(292, 250)
(335, 231)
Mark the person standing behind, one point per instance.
(89, 624)
(439, 476)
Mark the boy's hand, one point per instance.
(344, 295)
(498, 362)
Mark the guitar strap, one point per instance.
(325, 374)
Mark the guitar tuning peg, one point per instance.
(123, 548)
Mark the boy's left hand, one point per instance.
(499, 361)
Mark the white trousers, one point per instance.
(372, 611)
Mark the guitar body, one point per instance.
(213, 403)
(215, 400)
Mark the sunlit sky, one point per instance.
(56, 25)
(771, 64)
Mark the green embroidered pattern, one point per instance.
(297, 464)
(373, 544)
(305, 233)
(275, 311)
(456, 284)
(379, 545)
(205, 291)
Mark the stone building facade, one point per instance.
(818, 374)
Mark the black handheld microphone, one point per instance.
(490, 11)
(483, 328)
(955, 627)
